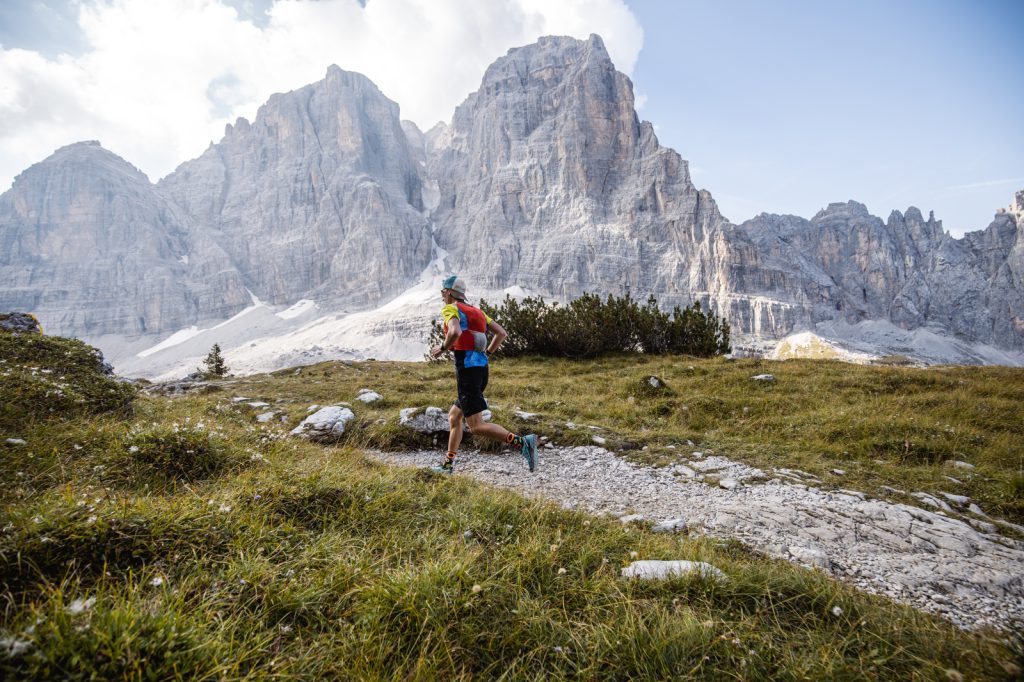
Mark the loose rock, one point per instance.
(327, 423)
(663, 570)
(429, 421)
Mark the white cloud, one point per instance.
(160, 78)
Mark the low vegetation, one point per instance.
(221, 549)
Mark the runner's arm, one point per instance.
(450, 337)
(499, 335)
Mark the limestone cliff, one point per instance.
(317, 198)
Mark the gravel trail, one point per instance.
(964, 571)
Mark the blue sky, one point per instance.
(786, 106)
(779, 106)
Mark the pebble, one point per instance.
(957, 464)
(15, 441)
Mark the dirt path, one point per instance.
(971, 575)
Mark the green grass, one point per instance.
(883, 426)
(292, 560)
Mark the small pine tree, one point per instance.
(215, 362)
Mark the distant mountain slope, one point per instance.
(88, 243)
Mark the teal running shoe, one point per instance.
(446, 467)
(530, 451)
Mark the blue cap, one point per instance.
(455, 285)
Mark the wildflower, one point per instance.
(633, 555)
(12, 646)
(224, 508)
(80, 606)
(561, 571)
(133, 449)
(476, 588)
(837, 611)
(554, 548)
(37, 519)
(91, 519)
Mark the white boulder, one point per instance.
(326, 423)
(367, 396)
(663, 570)
(430, 421)
(670, 526)
(811, 556)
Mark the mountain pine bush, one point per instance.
(588, 327)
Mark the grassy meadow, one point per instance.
(176, 538)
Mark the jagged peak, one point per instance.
(914, 213)
(851, 208)
(347, 79)
(551, 50)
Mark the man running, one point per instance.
(465, 329)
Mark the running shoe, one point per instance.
(447, 467)
(529, 451)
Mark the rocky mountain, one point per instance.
(549, 181)
(545, 181)
(317, 198)
(88, 243)
(849, 265)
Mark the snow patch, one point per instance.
(300, 308)
(174, 339)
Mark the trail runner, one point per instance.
(465, 329)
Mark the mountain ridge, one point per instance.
(544, 181)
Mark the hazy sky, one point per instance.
(779, 105)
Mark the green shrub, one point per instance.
(588, 327)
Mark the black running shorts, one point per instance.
(471, 382)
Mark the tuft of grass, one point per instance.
(45, 378)
(182, 453)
